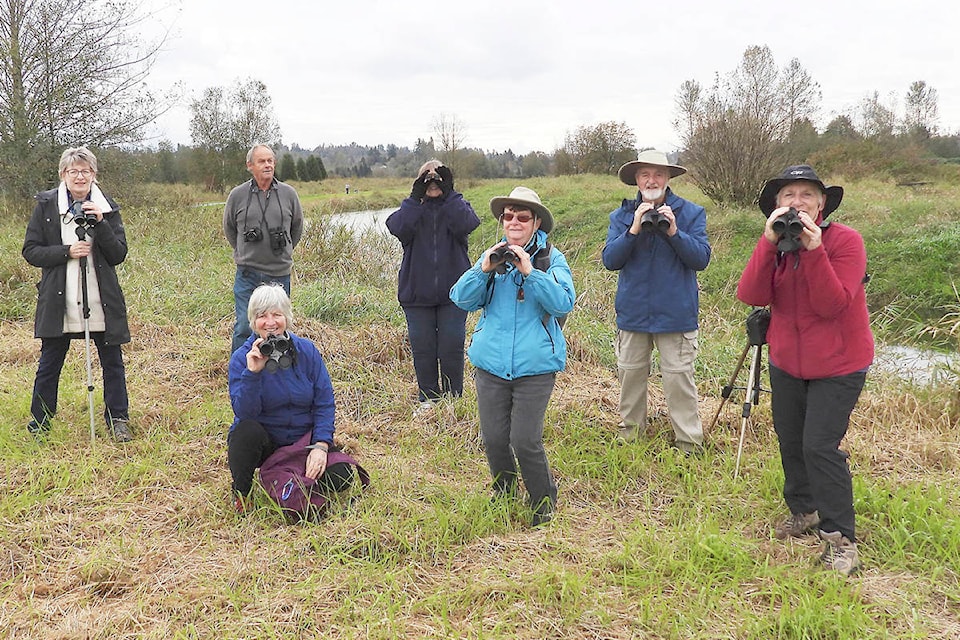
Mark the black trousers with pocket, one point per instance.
(249, 444)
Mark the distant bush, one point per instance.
(860, 159)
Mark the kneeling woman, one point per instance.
(517, 346)
(276, 400)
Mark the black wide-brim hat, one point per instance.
(768, 195)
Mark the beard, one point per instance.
(652, 195)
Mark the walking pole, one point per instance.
(751, 397)
(81, 234)
(728, 389)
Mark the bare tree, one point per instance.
(688, 104)
(877, 120)
(73, 73)
(799, 93)
(451, 135)
(740, 131)
(600, 148)
(225, 123)
(921, 110)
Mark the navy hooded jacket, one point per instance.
(434, 237)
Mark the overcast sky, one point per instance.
(522, 74)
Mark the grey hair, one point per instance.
(429, 165)
(268, 297)
(259, 146)
(73, 155)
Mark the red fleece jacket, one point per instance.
(819, 323)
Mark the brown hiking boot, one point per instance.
(839, 554)
(797, 525)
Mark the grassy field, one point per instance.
(101, 540)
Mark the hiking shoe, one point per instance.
(797, 525)
(38, 429)
(628, 434)
(542, 513)
(424, 409)
(242, 504)
(690, 449)
(839, 554)
(121, 430)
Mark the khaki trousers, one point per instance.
(677, 353)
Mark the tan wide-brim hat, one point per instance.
(628, 172)
(524, 197)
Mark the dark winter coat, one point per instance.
(44, 248)
(434, 237)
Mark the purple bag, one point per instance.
(282, 476)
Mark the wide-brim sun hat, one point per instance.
(524, 197)
(768, 195)
(628, 172)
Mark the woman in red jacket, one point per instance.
(811, 273)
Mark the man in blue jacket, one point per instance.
(657, 242)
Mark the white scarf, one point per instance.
(73, 294)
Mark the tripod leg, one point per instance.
(86, 337)
(86, 331)
(727, 390)
(753, 380)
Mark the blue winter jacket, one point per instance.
(513, 338)
(657, 288)
(288, 402)
(434, 238)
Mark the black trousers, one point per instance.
(46, 386)
(811, 419)
(249, 444)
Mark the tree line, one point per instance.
(736, 132)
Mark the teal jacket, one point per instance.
(516, 335)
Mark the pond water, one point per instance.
(363, 220)
(920, 366)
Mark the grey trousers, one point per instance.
(511, 423)
(677, 353)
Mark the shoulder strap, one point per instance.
(541, 261)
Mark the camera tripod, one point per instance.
(81, 235)
(756, 337)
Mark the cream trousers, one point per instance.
(677, 353)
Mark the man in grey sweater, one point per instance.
(263, 222)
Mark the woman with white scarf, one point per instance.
(76, 226)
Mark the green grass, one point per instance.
(102, 541)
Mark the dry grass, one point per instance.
(140, 541)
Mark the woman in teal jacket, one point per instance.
(518, 346)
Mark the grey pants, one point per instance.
(511, 423)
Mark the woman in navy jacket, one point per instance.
(433, 225)
(277, 397)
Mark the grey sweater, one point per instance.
(277, 208)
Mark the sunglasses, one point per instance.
(521, 217)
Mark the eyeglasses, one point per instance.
(508, 217)
(73, 173)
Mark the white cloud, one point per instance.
(521, 74)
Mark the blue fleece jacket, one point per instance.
(434, 238)
(288, 402)
(657, 288)
(511, 339)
